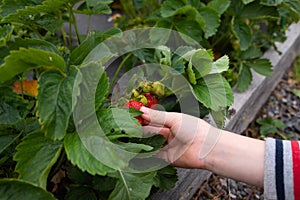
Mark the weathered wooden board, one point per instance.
(247, 105)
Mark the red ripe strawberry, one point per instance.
(134, 104)
(152, 100)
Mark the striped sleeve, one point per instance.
(282, 169)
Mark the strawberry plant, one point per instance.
(242, 29)
(47, 138)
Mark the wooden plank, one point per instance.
(247, 105)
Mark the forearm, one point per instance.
(238, 157)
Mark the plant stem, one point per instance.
(75, 26)
(70, 28)
(63, 33)
(118, 71)
(88, 24)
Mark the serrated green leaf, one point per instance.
(81, 193)
(244, 78)
(170, 7)
(18, 189)
(190, 28)
(132, 186)
(24, 59)
(293, 6)
(247, 1)
(220, 65)
(80, 177)
(93, 39)
(213, 91)
(166, 178)
(243, 32)
(8, 114)
(219, 5)
(211, 19)
(160, 33)
(54, 104)
(5, 34)
(35, 156)
(104, 183)
(30, 43)
(32, 13)
(251, 53)
(92, 7)
(219, 117)
(6, 140)
(201, 61)
(79, 156)
(271, 2)
(119, 120)
(261, 66)
(256, 10)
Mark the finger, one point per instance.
(165, 132)
(158, 117)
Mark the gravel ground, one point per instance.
(283, 105)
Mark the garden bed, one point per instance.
(246, 105)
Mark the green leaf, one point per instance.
(79, 156)
(170, 7)
(251, 53)
(93, 39)
(211, 19)
(243, 32)
(213, 91)
(132, 186)
(219, 5)
(92, 88)
(219, 117)
(41, 14)
(134, 147)
(35, 156)
(6, 140)
(166, 178)
(271, 2)
(256, 10)
(5, 34)
(8, 114)
(220, 65)
(18, 189)
(81, 193)
(24, 59)
(120, 121)
(261, 66)
(244, 78)
(201, 60)
(54, 105)
(80, 177)
(189, 28)
(91, 7)
(247, 1)
(296, 92)
(104, 183)
(293, 6)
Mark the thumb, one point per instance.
(158, 117)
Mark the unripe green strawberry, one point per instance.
(135, 93)
(141, 98)
(158, 88)
(147, 88)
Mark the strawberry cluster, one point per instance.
(146, 95)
